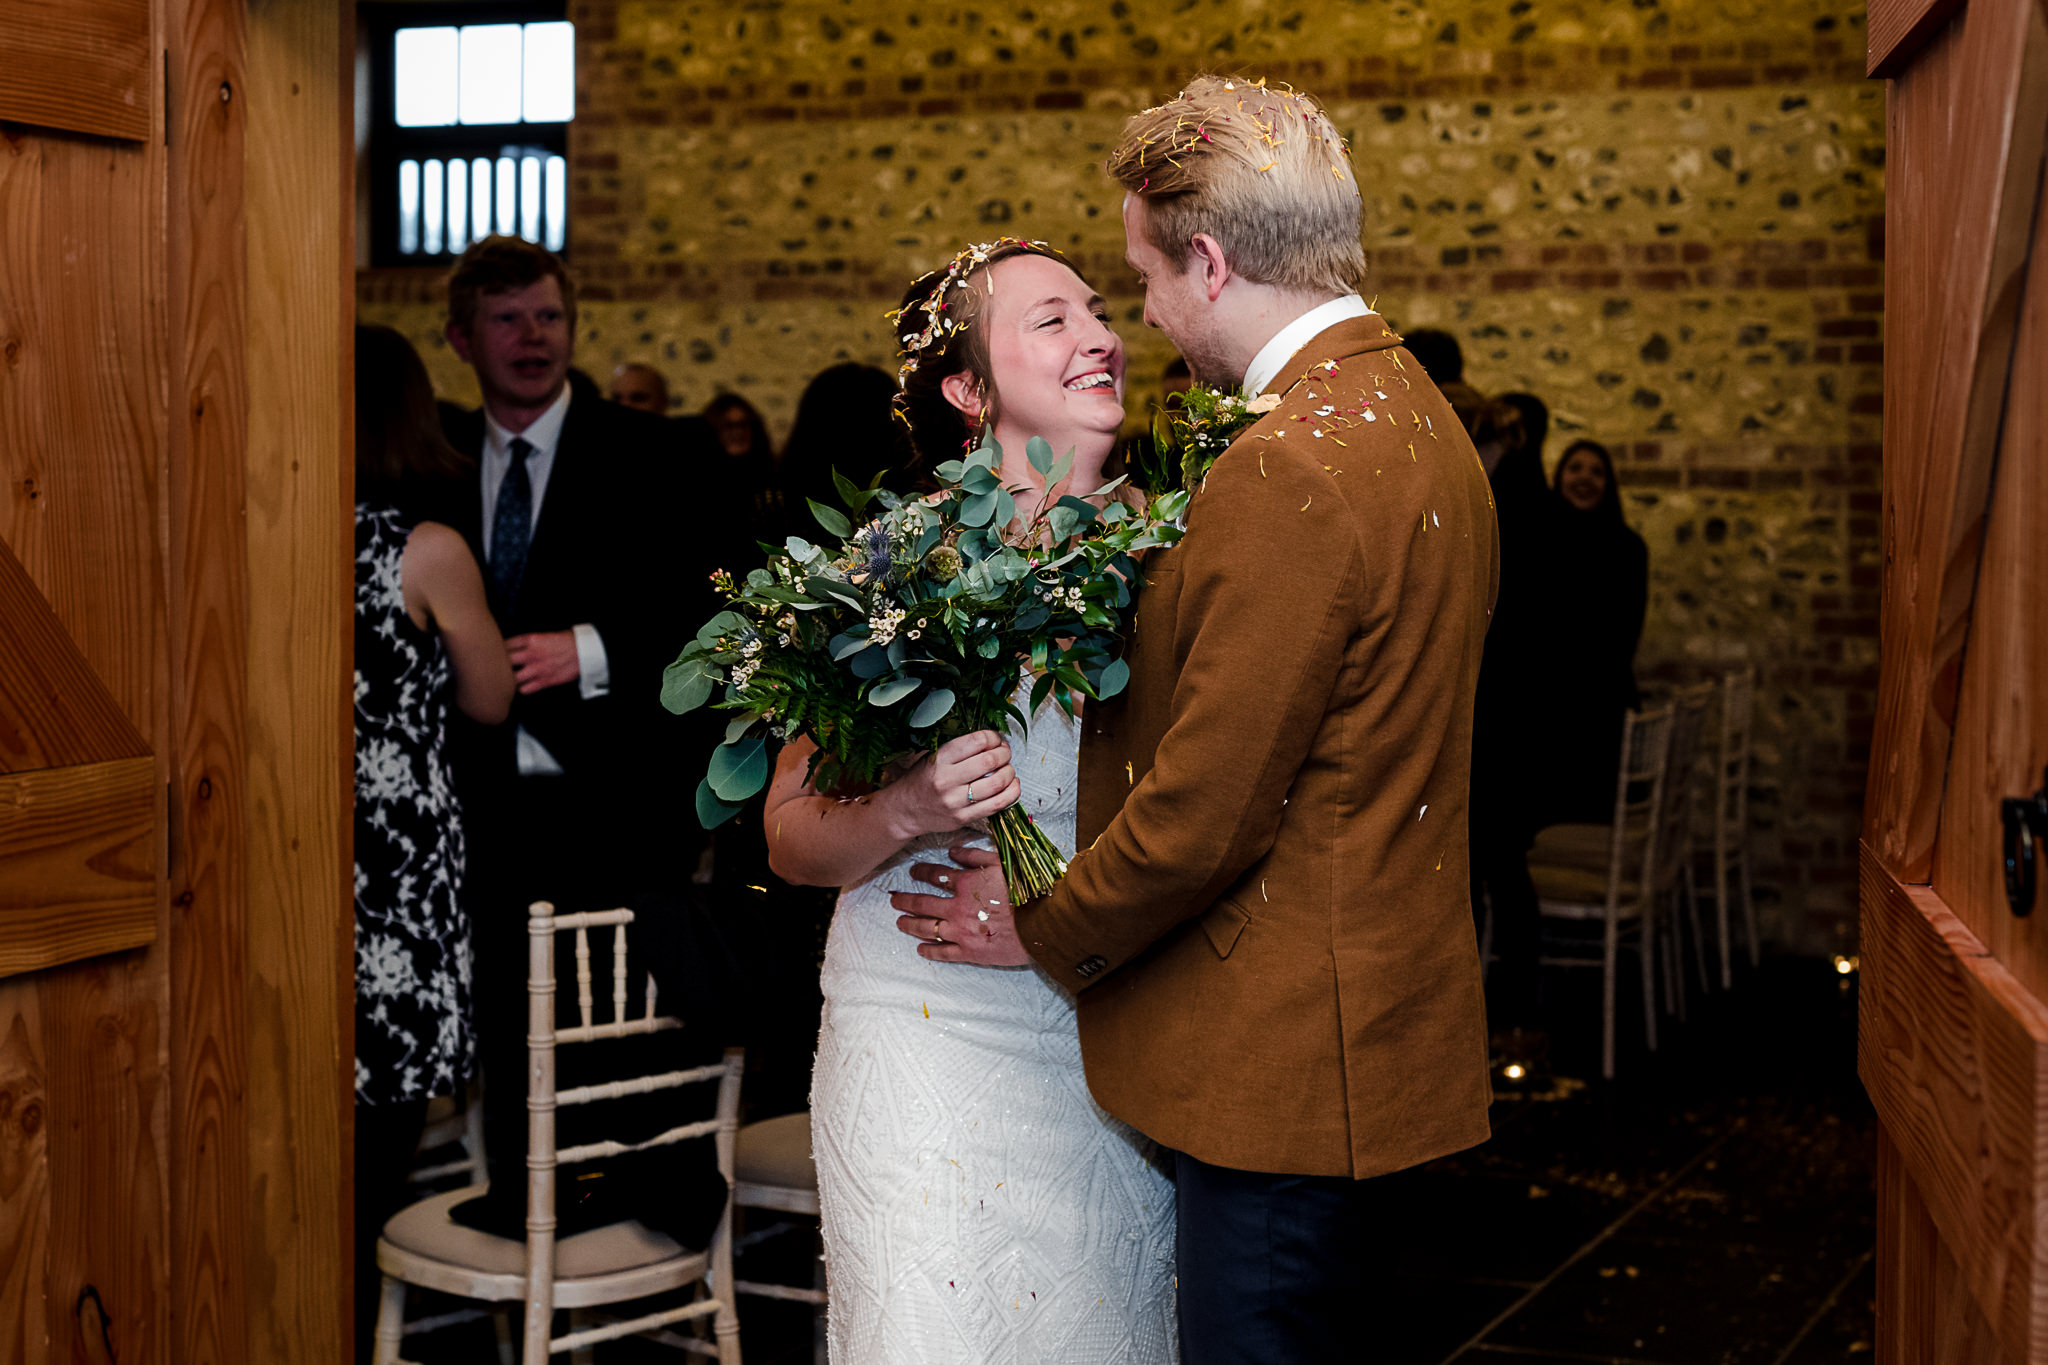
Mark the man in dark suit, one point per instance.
(596, 557)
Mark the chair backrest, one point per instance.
(543, 1099)
(1638, 800)
(1731, 764)
(1689, 707)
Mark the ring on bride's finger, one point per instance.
(937, 926)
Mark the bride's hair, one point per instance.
(936, 331)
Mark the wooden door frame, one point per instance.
(260, 223)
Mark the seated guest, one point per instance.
(598, 551)
(635, 385)
(846, 420)
(424, 639)
(1598, 583)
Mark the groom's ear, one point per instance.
(963, 391)
(1209, 266)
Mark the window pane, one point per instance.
(425, 77)
(409, 208)
(490, 73)
(557, 201)
(458, 205)
(529, 198)
(480, 195)
(431, 204)
(550, 73)
(508, 196)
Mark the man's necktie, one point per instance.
(512, 525)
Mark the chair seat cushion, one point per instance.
(1587, 846)
(1576, 885)
(776, 1151)
(425, 1229)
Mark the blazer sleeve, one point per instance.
(1270, 573)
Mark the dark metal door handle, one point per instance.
(2026, 824)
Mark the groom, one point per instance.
(1268, 929)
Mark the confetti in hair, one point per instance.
(939, 329)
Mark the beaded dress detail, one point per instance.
(978, 1205)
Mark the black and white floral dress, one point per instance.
(415, 1036)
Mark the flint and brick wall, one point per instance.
(1664, 218)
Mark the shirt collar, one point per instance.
(544, 432)
(1275, 354)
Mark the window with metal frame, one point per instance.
(470, 106)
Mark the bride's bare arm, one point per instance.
(816, 840)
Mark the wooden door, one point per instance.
(1953, 1039)
(175, 555)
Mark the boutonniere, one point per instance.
(1188, 436)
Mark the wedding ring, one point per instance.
(970, 791)
(937, 926)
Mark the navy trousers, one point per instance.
(1282, 1269)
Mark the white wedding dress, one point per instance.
(979, 1209)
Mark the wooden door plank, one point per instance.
(78, 846)
(1896, 30)
(24, 1180)
(1962, 186)
(53, 710)
(82, 65)
(2001, 722)
(301, 549)
(209, 652)
(1925, 1311)
(1954, 1053)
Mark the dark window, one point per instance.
(469, 126)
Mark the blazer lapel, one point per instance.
(1353, 336)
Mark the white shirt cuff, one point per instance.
(595, 669)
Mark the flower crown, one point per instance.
(938, 327)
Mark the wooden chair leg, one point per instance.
(1607, 1001)
(1699, 938)
(390, 1322)
(1649, 956)
(582, 1355)
(501, 1323)
(1721, 913)
(1756, 956)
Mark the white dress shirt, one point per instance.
(1274, 355)
(544, 435)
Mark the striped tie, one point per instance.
(512, 526)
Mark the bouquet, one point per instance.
(911, 630)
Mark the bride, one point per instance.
(977, 1205)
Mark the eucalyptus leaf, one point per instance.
(1039, 452)
(1006, 507)
(712, 812)
(1060, 470)
(1031, 618)
(870, 663)
(980, 480)
(932, 709)
(738, 725)
(949, 471)
(892, 691)
(1116, 675)
(989, 647)
(801, 550)
(685, 685)
(834, 522)
(739, 769)
(846, 645)
(1064, 522)
(725, 623)
(980, 509)
(852, 494)
(899, 650)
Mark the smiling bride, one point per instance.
(978, 1205)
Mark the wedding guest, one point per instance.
(751, 479)
(424, 641)
(1509, 715)
(1441, 356)
(846, 420)
(1598, 582)
(598, 548)
(641, 386)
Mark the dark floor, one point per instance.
(1711, 1204)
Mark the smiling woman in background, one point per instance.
(1600, 586)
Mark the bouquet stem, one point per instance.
(1032, 863)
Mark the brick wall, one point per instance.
(1664, 218)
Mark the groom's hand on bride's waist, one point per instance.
(967, 916)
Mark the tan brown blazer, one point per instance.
(1272, 937)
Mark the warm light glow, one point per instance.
(1845, 965)
(1515, 1071)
